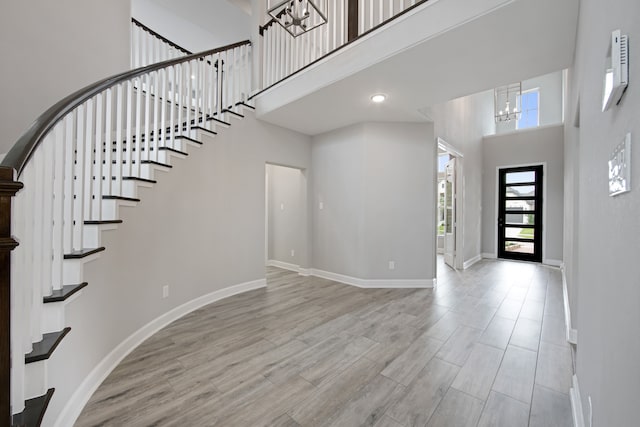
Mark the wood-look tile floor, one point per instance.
(486, 348)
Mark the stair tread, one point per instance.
(173, 150)
(83, 253)
(34, 410)
(42, 350)
(219, 121)
(153, 162)
(246, 105)
(127, 199)
(226, 110)
(136, 178)
(103, 221)
(59, 295)
(191, 139)
(213, 132)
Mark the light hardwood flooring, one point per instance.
(486, 348)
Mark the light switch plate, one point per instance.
(620, 168)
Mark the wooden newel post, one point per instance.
(8, 189)
(352, 20)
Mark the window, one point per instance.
(529, 105)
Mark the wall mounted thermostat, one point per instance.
(620, 168)
(616, 73)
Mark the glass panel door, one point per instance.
(520, 213)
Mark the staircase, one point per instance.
(81, 162)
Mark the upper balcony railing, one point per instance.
(347, 20)
(149, 47)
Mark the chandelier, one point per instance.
(299, 16)
(507, 102)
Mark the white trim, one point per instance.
(571, 334)
(284, 265)
(304, 272)
(435, 282)
(374, 283)
(576, 403)
(76, 403)
(471, 261)
(552, 262)
(487, 255)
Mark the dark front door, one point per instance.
(520, 213)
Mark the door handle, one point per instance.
(500, 222)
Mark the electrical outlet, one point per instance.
(321, 205)
(392, 265)
(293, 252)
(281, 206)
(165, 291)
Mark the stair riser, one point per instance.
(92, 235)
(35, 379)
(53, 316)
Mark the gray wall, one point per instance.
(196, 25)
(526, 147)
(286, 211)
(376, 183)
(200, 229)
(51, 49)
(607, 271)
(551, 94)
(462, 123)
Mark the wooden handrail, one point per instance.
(23, 149)
(164, 39)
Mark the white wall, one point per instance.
(195, 25)
(550, 101)
(376, 183)
(51, 49)
(286, 209)
(200, 229)
(462, 123)
(607, 270)
(526, 147)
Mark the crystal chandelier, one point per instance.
(504, 98)
(299, 16)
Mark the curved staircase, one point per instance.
(79, 163)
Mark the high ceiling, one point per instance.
(514, 41)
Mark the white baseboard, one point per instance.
(304, 272)
(74, 406)
(552, 262)
(283, 265)
(374, 283)
(488, 255)
(576, 404)
(571, 333)
(470, 262)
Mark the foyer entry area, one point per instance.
(485, 348)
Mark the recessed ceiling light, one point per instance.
(378, 98)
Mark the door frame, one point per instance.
(496, 211)
(460, 198)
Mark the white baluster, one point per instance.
(96, 202)
(211, 83)
(116, 185)
(137, 154)
(128, 154)
(172, 105)
(182, 75)
(147, 116)
(189, 98)
(69, 182)
(107, 167)
(47, 147)
(35, 244)
(20, 342)
(59, 167)
(155, 123)
(87, 174)
(78, 191)
(162, 131)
